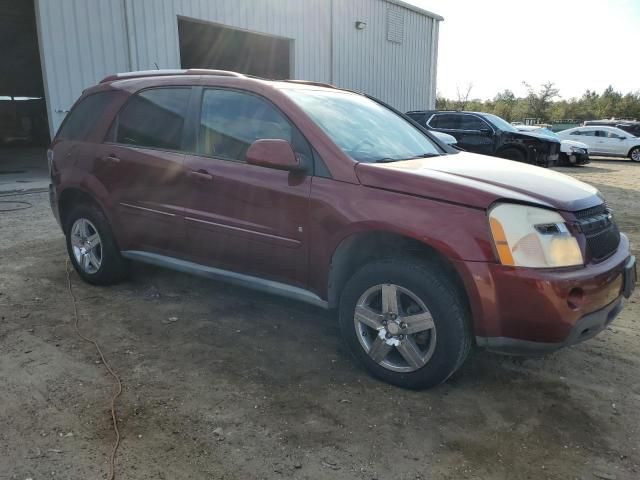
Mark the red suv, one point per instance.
(334, 198)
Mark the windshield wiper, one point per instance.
(425, 155)
(387, 160)
(390, 160)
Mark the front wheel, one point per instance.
(406, 321)
(514, 154)
(634, 154)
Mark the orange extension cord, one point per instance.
(118, 383)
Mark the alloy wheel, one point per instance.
(86, 245)
(395, 328)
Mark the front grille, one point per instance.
(600, 230)
(590, 212)
(604, 243)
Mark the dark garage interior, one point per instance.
(206, 45)
(23, 115)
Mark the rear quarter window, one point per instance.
(84, 116)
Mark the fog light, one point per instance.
(575, 298)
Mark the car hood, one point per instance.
(478, 181)
(532, 134)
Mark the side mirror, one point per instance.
(623, 138)
(486, 131)
(273, 153)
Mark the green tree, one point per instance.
(504, 104)
(540, 100)
(543, 104)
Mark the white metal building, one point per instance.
(386, 48)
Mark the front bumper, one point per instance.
(587, 327)
(524, 310)
(574, 158)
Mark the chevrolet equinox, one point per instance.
(335, 198)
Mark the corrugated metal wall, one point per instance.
(84, 40)
(306, 22)
(81, 42)
(365, 60)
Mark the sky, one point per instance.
(497, 44)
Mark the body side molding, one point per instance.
(248, 281)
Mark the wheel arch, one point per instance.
(514, 146)
(359, 248)
(632, 149)
(72, 196)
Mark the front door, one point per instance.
(240, 217)
(588, 136)
(602, 142)
(476, 135)
(141, 167)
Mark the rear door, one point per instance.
(141, 165)
(246, 218)
(447, 123)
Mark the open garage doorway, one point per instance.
(207, 45)
(24, 126)
(23, 113)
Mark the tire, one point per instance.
(444, 346)
(634, 154)
(563, 161)
(513, 154)
(96, 259)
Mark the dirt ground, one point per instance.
(249, 386)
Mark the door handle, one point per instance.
(201, 175)
(110, 159)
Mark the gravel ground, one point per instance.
(241, 385)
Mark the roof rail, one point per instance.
(166, 72)
(309, 82)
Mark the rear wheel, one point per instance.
(634, 154)
(406, 322)
(92, 247)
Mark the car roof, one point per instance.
(446, 111)
(606, 128)
(137, 80)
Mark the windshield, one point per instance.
(362, 128)
(498, 122)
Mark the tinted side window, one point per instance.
(588, 133)
(84, 116)
(445, 120)
(231, 121)
(613, 135)
(600, 133)
(154, 118)
(417, 117)
(470, 122)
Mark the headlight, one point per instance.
(578, 150)
(532, 237)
